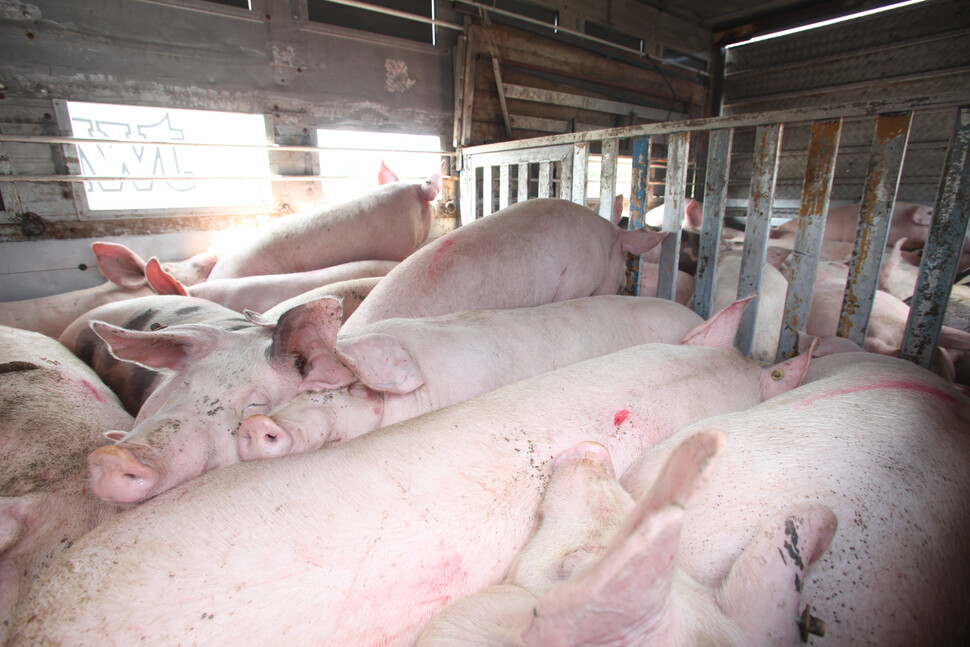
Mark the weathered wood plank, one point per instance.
(537, 95)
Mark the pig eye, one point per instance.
(253, 408)
(300, 363)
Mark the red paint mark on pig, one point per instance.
(620, 417)
(905, 385)
(436, 260)
(94, 391)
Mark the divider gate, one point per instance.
(561, 163)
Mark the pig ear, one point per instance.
(13, 521)
(640, 241)
(120, 265)
(722, 328)
(762, 592)
(920, 215)
(174, 347)
(386, 175)
(161, 281)
(431, 187)
(381, 362)
(776, 255)
(786, 375)
(695, 215)
(617, 214)
(629, 588)
(308, 332)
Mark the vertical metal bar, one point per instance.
(523, 182)
(468, 189)
(816, 190)
(487, 195)
(757, 227)
(715, 204)
(638, 204)
(503, 186)
(678, 145)
(942, 250)
(608, 177)
(545, 179)
(580, 172)
(882, 179)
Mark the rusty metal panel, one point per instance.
(715, 203)
(523, 182)
(942, 250)
(469, 190)
(610, 148)
(580, 170)
(545, 179)
(816, 191)
(488, 192)
(882, 180)
(678, 149)
(757, 227)
(638, 203)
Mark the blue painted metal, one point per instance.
(942, 251)
(715, 201)
(816, 190)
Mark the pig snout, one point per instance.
(119, 475)
(260, 437)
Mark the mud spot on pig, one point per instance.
(17, 367)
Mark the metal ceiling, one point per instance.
(736, 20)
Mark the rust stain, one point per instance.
(892, 126)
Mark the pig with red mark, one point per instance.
(881, 443)
(602, 570)
(387, 224)
(55, 410)
(406, 367)
(383, 530)
(262, 292)
(125, 274)
(533, 252)
(219, 378)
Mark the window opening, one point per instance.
(144, 161)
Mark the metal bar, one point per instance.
(566, 174)
(469, 190)
(583, 36)
(757, 228)
(397, 14)
(545, 153)
(497, 69)
(847, 112)
(488, 193)
(159, 178)
(816, 191)
(882, 180)
(545, 179)
(638, 204)
(503, 186)
(522, 179)
(580, 172)
(715, 203)
(678, 148)
(608, 177)
(942, 250)
(57, 139)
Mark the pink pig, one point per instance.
(387, 223)
(378, 534)
(571, 251)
